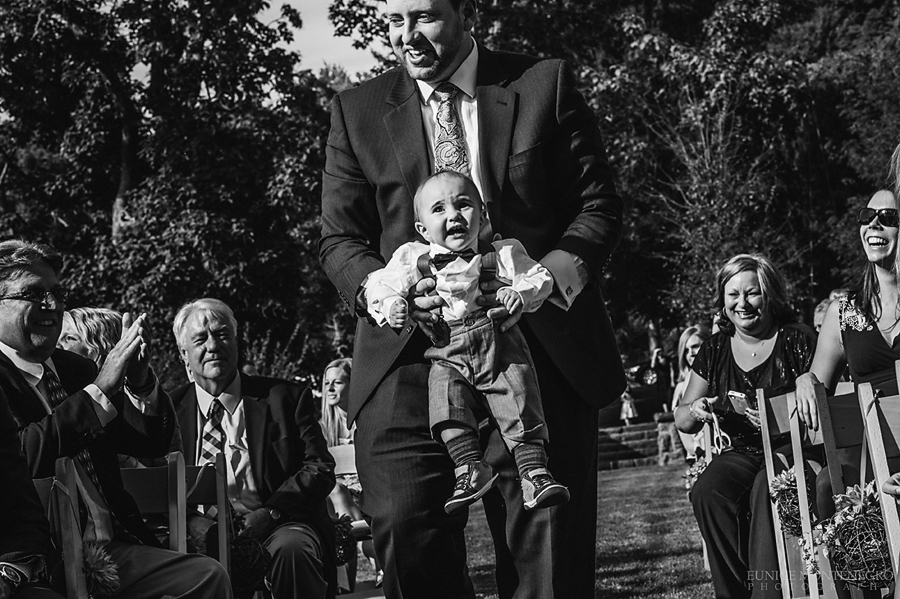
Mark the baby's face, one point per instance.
(449, 211)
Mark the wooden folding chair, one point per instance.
(161, 490)
(64, 509)
(882, 418)
(208, 485)
(842, 426)
(779, 416)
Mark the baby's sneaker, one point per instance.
(539, 490)
(472, 481)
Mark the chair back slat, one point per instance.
(208, 485)
(161, 490)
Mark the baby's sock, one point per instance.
(529, 456)
(464, 449)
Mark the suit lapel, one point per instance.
(404, 126)
(186, 414)
(256, 413)
(496, 121)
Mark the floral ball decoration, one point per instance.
(783, 490)
(345, 543)
(855, 539)
(101, 574)
(693, 473)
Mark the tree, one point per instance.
(171, 149)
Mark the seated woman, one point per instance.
(688, 345)
(756, 347)
(344, 496)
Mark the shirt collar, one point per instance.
(464, 77)
(230, 398)
(32, 371)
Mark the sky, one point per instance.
(317, 43)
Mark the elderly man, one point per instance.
(26, 538)
(63, 407)
(519, 128)
(279, 468)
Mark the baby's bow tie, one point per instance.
(442, 260)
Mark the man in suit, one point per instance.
(279, 468)
(525, 135)
(63, 407)
(26, 538)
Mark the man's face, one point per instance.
(430, 37)
(449, 213)
(31, 328)
(210, 349)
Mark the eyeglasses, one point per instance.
(888, 217)
(46, 299)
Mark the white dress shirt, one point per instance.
(241, 487)
(457, 283)
(568, 270)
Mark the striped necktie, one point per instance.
(213, 437)
(449, 145)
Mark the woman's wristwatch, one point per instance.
(12, 576)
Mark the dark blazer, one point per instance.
(74, 425)
(547, 184)
(26, 530)
(292, 468)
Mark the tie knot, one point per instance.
(215, 410)
(440, 261)
(446, 91)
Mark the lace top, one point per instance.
(870, 358)
(791, 356)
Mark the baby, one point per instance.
(479, 361)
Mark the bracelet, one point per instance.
(13, 577)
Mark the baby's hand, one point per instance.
(399, 311)
(511, 300)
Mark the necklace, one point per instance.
(756, 348)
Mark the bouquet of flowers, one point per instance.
(855, 540)
(345, 543)
(784, 494)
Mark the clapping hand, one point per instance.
(129, 358)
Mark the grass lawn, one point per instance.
(648, 546)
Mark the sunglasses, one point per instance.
(888, 217)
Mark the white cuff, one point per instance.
(102, 406)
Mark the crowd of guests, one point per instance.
(759, 344)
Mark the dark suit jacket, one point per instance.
(547, 184)
(26, 530)
(74, 425)
(292, 468)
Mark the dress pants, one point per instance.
(150, 573)
(296, 570)
(734, 511)
(406, 476)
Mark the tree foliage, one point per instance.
(171, 150)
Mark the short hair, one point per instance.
(16, 255)
(447, 174)
(695, 329)
(771, 284)
(211, 308)
(99, 328)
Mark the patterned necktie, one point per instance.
(57, 395)
(449, 145)
(213, 435)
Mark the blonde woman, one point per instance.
(688, 345)
(90, 332)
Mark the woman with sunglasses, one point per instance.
(756, 347)
(862, 329)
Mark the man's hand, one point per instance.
(496, 310)
(258, 524)
(423, 304)
(139, 365)
(399, 312)
(807, 408)
(130, 346)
